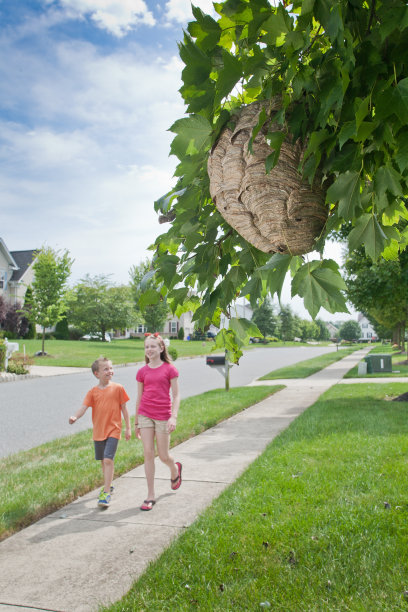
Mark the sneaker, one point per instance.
(104, 499)
(111, 490)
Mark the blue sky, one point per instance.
(88, 91)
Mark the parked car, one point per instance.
(96, 336)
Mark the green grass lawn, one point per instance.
(318, 522)
(78, 353)
(82, 353)
(310, 366)
(36, 482)
(398, 359)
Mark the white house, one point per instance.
(367, 330)
(16, 272)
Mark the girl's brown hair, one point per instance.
(164, 356)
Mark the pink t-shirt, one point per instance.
(156, 402)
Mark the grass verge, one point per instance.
(70, 353)
(318, 522)
(39, 481)
(306, 368)
(398, 360)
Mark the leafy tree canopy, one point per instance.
(350, 330)
(340, 68)
(46, 303)
(264, 317)
(150, 305)
(379, 289)
(96, 306)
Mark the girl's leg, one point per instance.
(107, 469)
(163, 445)
(147, 434)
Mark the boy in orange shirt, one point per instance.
(108, 403)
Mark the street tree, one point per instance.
(148, 300)
(288, 324)
(46, 303)
(326, 85)
(380, 290)
(264, 317)
(323, 333)
(96, 305)
(309, 330)
(350, 330)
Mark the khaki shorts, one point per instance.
(145, 422)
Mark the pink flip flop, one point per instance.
(176, 482)
(147, 504)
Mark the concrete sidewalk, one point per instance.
(81, 556)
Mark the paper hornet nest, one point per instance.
(276, 212)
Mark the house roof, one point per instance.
(23, 259)
(8, 255)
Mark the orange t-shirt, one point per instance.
(106, 407)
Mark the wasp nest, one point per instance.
(276, 212)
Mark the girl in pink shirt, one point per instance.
(156, 412)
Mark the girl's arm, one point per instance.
(138, 400)
(175, 404)
(78, 414)
(127, 421)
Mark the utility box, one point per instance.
(216, 360)
(378, 363)
(362, 368)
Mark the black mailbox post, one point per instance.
(220, 363)
(216, 360)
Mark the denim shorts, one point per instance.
(105, 449)
(158, 426)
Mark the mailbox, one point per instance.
(216, 360)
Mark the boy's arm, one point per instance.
(78, 414)
(127, 421)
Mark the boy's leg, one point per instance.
(108, 470)
(147, 435)
(111, 446)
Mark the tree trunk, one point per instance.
(43, 341)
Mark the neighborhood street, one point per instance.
(34, 411)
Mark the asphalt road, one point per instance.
(34, 411)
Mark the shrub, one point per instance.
(180, 334)
(18, 363)
(2, 354)
(173, 353)
(61, 329)
(75, 333)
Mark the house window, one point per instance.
(141, 329)
(3, 279)
(173, 327)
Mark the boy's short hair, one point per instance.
(97, 364)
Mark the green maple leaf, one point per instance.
(368, 232)
(277, 266)
(193, 136)
(400, 101)
(229, 76)
(320, 285)
(386, 178)
(243, 329)
(346, 191)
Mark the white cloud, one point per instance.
(116, 16)
(180, 10)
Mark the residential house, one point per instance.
(333, 330)
(367, 330)
(16, 273)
